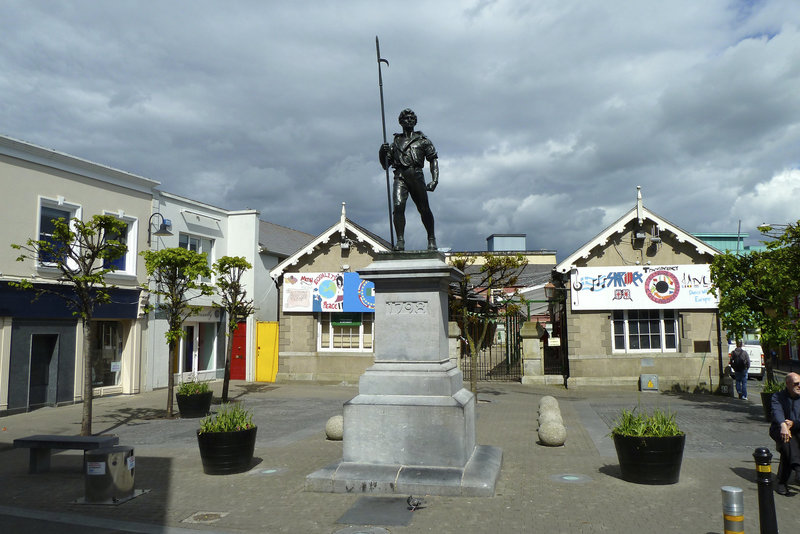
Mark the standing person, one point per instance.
(785, 429)
(407, 154)
(740, 363)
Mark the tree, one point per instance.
(176, 274)
(756, 290)
(229, 270)
(82, 254)
(470, 302)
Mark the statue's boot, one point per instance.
(432, 244)
(401, 243)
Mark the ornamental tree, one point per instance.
(470, 303)
(229, 271)
(176, 275)
(80, 254)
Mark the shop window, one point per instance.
(106, 354)
(200, 245)
(352, 332)
(645, 331)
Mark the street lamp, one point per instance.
(163, 229)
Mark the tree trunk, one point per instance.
(86, 417)
(227, 376)
(173, 357)
(473, 376)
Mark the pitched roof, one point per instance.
(638, 213)
(342, 227)
(280, 240)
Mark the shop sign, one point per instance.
(642, 287)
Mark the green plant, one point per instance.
(771, 386)
(658, 424)
(229, 418)
(193, 388)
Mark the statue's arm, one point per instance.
(384, 155)
(434, 164)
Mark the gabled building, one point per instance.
(634, 301)
(326, 309)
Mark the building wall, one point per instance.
(298, 358)
(592, 360)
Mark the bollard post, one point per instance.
(766, 499)
(733, 510)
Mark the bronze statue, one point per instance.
(407, 155)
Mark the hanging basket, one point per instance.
(650, 460)
(225, 453)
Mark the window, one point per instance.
(200, 245)
(106, 353)
(126, 264)
(345, 332)
(645, 331)
(49, 210)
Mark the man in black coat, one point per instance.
(785, 429)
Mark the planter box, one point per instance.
(197, 405)
(650, 460)
(766, 402)
(226, 453)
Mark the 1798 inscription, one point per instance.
(407, 307)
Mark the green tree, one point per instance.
(229, 270)
(80, 254)
(175, 274)
(756, 290)
(470, 302)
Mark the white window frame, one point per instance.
(662, 321)
(201, 239)
(58, 203)
(325, 317)
(131, 241)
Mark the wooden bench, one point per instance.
(41, 445)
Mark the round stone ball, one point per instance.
(552, 434)
(547, 402)
(550, 417)
(334, 428)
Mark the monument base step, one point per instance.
(476, 479)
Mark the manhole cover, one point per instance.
(205, 517)
(570, 478)
(362, 530)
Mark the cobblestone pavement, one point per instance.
(571, 489)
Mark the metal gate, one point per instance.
(501, 361)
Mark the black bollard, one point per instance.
(766, 499)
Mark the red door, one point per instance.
(239, 353)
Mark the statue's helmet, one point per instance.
(407, 113)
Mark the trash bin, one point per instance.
(109, 474)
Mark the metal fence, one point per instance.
(501, 361)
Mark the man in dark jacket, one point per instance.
(740, 363)
(785, 429)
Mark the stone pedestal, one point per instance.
(411, 429)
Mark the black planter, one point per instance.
(197, 405)
(650, 460)
(766, 402)
(225, 453)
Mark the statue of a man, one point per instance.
(407, 155)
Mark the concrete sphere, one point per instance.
(552, 434)
(547, 402)
(550, 417)
(334, 428)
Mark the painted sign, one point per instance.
(642, 287)
(328, 292)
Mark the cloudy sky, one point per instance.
(546, 113)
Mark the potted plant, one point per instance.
(767, 389)
(649, 447)
(194, 399)
(227, 440)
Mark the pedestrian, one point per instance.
(785, 430)
(740, 363)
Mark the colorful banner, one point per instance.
(642, 287)
(328, 292)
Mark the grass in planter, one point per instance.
(193, 388)
(229, 418)
(658, 424)
(771, 386)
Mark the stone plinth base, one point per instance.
(544, 380)
(476, 479)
